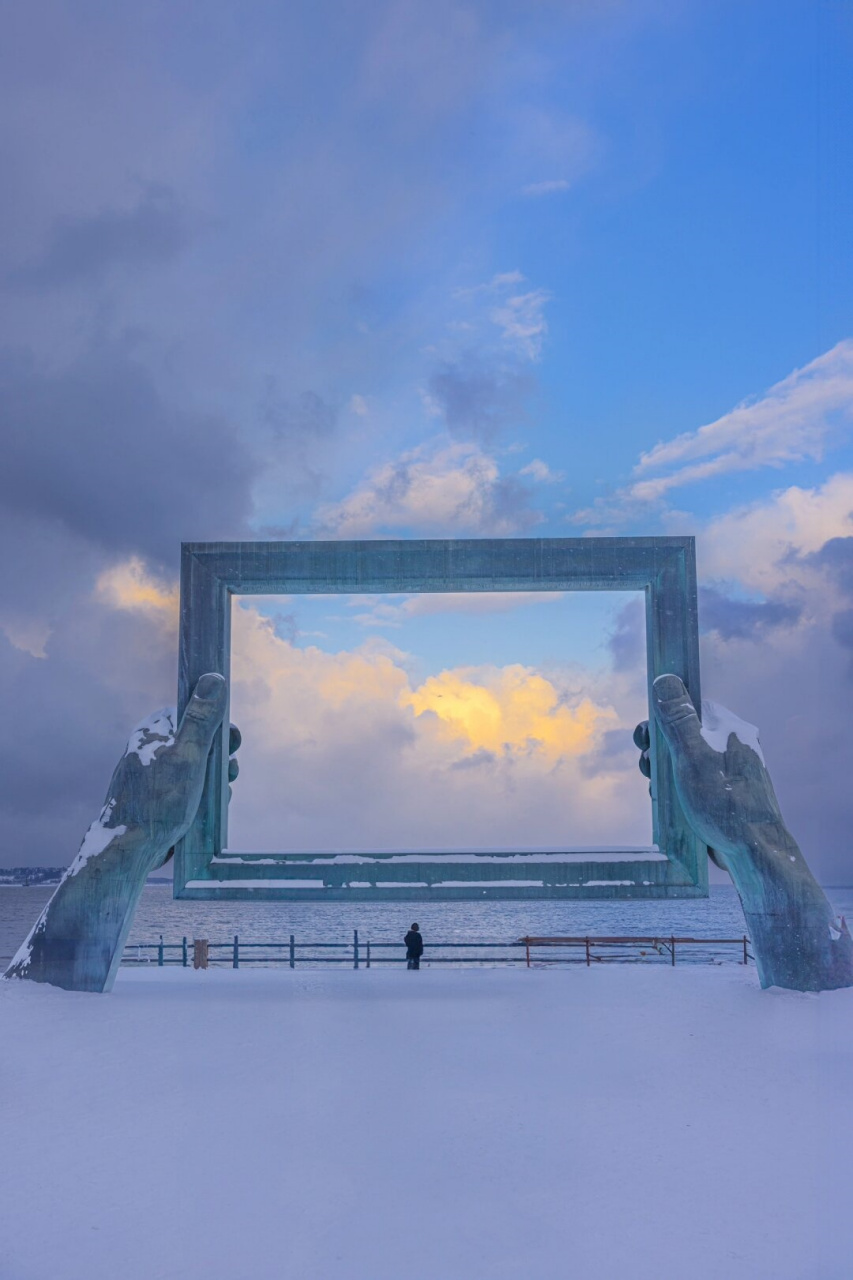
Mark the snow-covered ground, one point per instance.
(619, 1121)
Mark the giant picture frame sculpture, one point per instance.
(663, 568)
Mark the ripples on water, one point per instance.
(719, 916)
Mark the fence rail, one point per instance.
(530, 951)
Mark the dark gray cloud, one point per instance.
(798, 696)
(71, 715)
(512, 506)
(615, 752)
(744, 619)
(835, 558)
(627, 640)
(479, 401)
(478, 760)
(97, 447)
(296, 417)
(84, 250)
(842, 628)
(301, 428)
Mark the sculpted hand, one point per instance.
(729, 801)
(152, 799)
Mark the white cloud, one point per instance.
(792, 421)
(518, 316)
(29, 635)
(381, 612)
(758, 545)
(540, 471)
(522, 322)
(452, 489)
(546, 188)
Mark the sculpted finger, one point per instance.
(235, 737)
(233, 770)
(641, 736)
(677, 717)
(204, 713)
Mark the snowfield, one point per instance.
(446, 1125)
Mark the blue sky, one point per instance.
(408, 269)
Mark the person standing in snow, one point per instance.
(414, 947)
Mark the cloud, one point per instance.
(548, 149)
(132, 587)
(791, 422)
(541, 472)
(627, 641)
(795, 420)
(762, 544)
(479, 399)
(84, 249)
(732, 618)
(96, 447)
(522, 322)
(344, 750)
(508, 709)
(546, 188)
(836, 558)
(30, 635)
(381, 611)
(448, 490)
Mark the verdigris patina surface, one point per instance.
(664, 569)
(728, 797)
(153, 796)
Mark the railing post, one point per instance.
(292, 952)
(368, 953)
(587, 953)
(672, 943)
(355, 948)
(184, 956)
(160, 952)
(527, 951)
(201, 954)
(745, 952)
(236, 961)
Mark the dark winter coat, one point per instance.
(414, 945)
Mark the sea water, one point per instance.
(718, 916)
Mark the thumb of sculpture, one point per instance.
(676, 715)
(203, 714)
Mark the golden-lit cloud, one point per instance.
(131, 586)
(509, 708)
(348, 750)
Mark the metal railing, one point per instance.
(599, 948)
(533, 952)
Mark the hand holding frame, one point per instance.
(729, 801)
(78, 939)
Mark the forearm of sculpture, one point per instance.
(729, 801)
(797, 940)
(78, 939)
